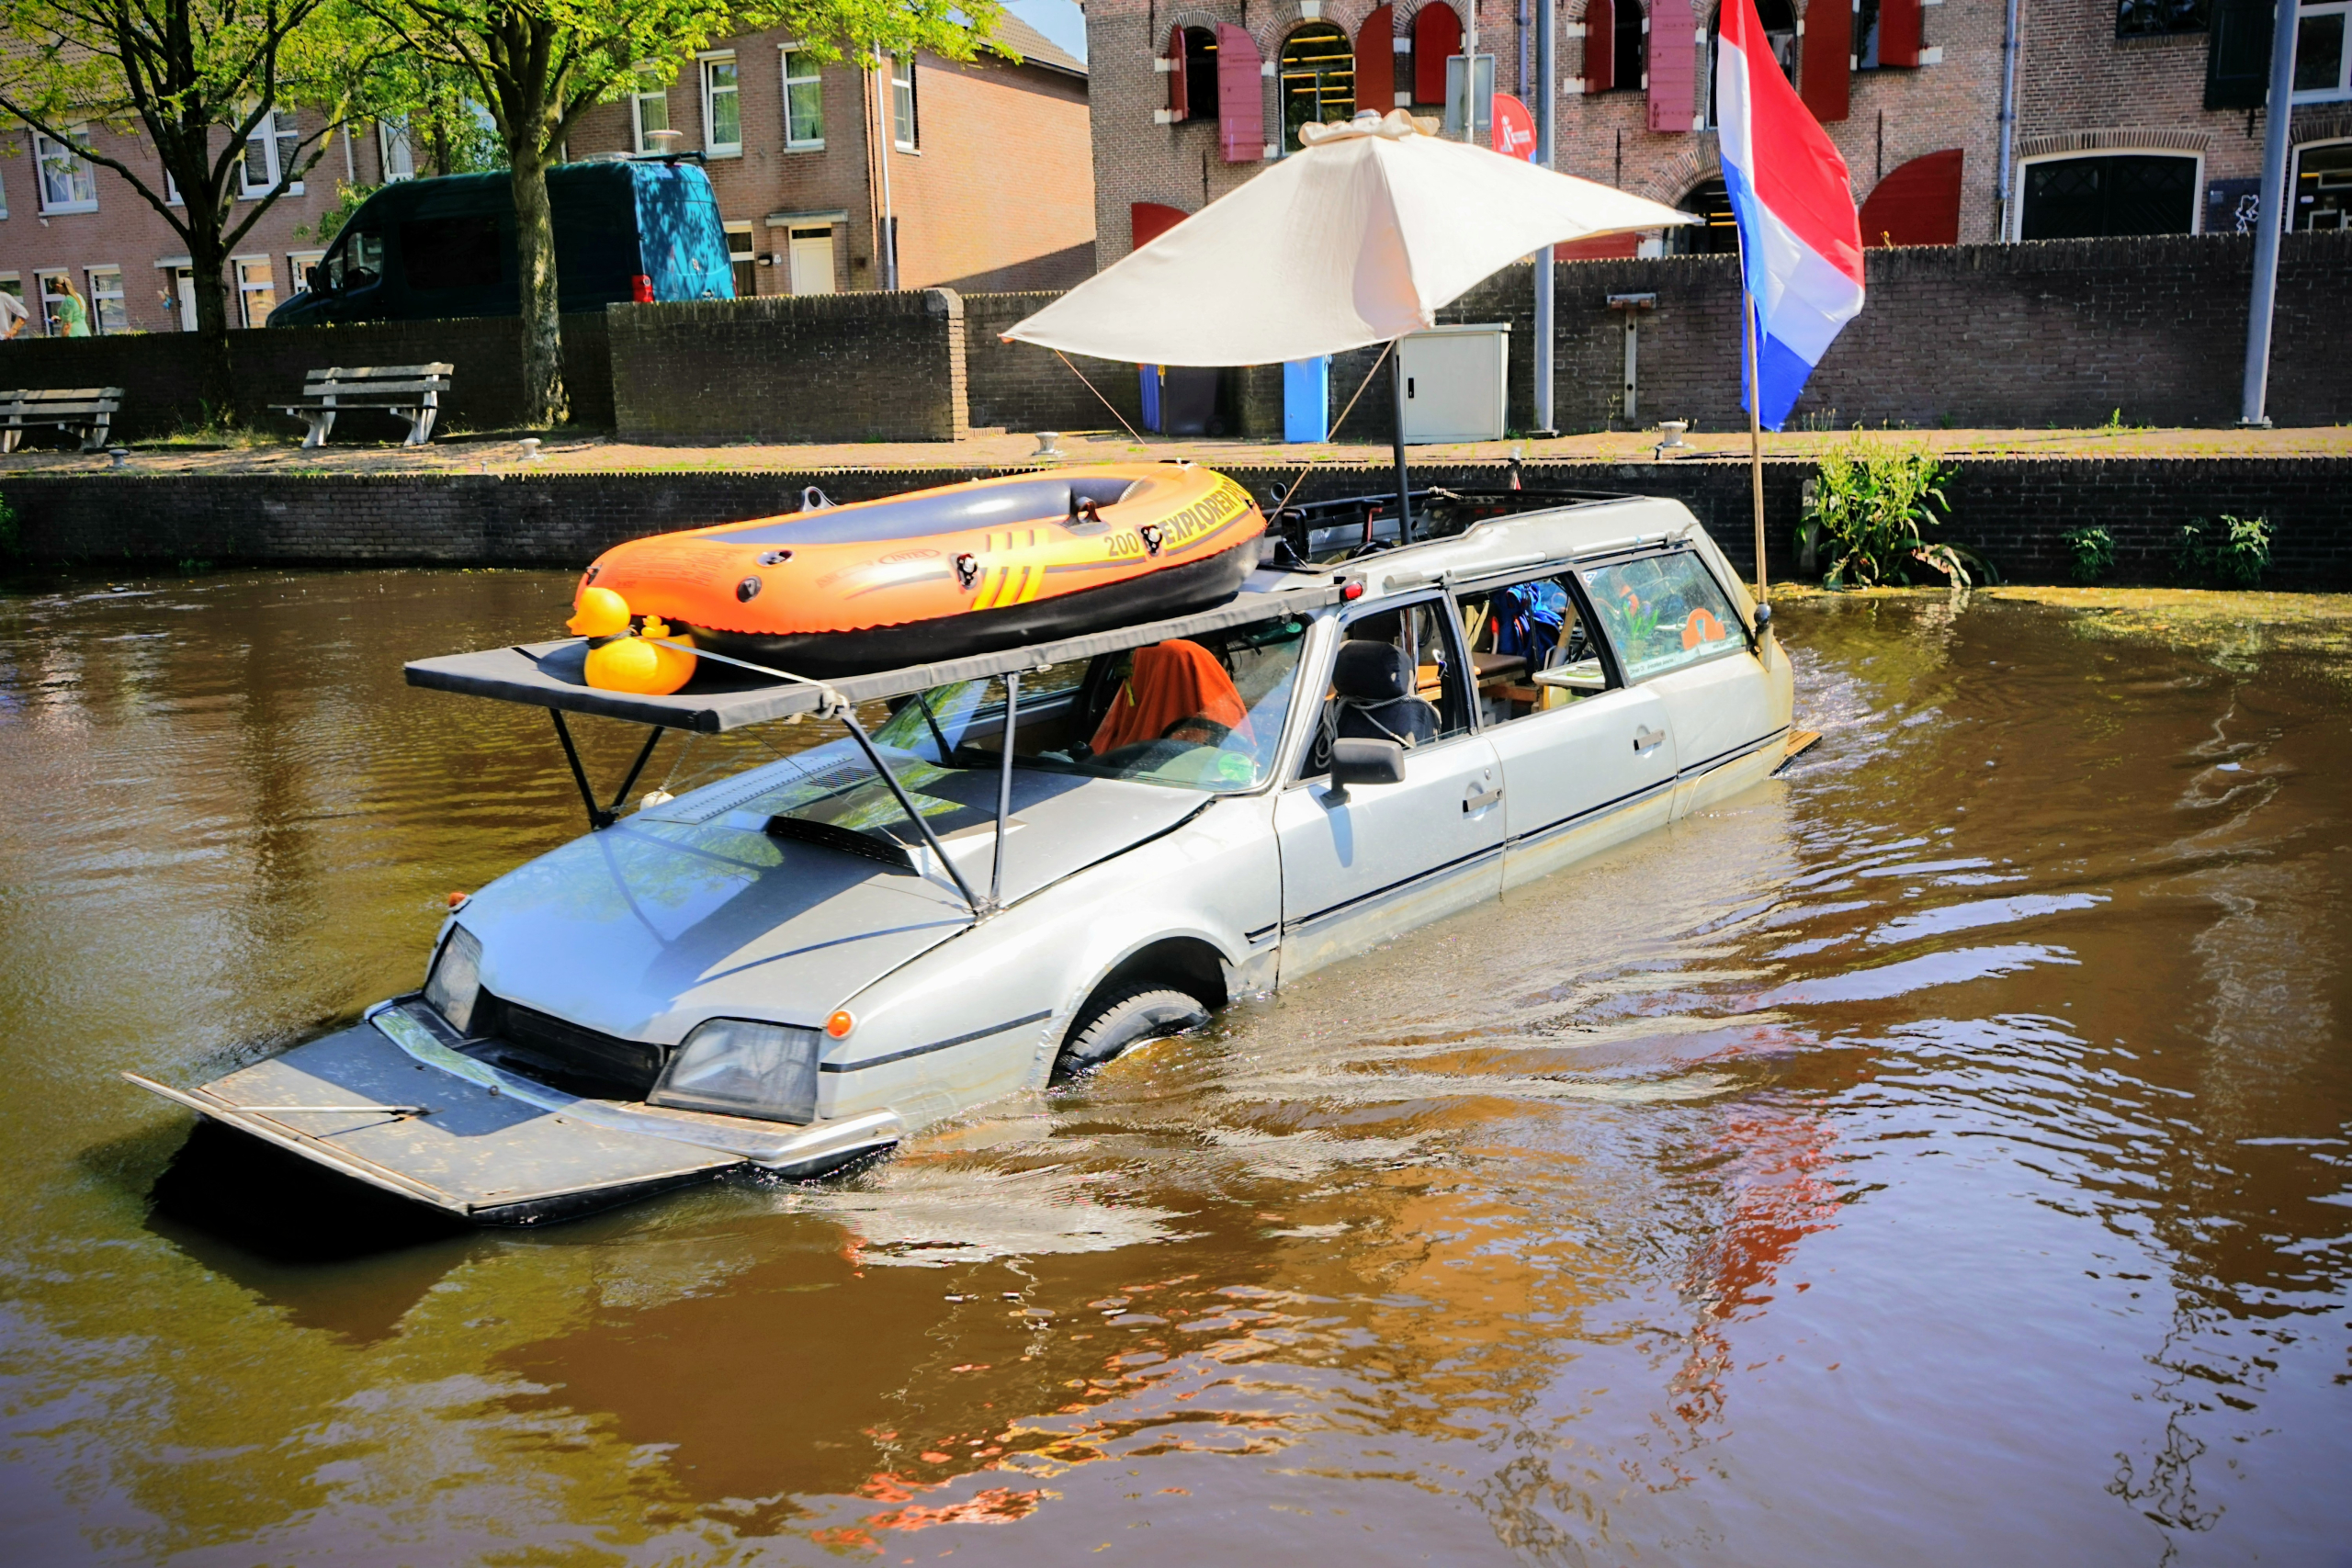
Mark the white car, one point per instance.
(802, 964)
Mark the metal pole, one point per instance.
(1470, 77)
(2270, 217)
(1004, 787)
(899, 790)
(1547, 28)
(1749, 325)
(887, 106)
(1404, 488)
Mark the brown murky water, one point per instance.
(1937, 1155)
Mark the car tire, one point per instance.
(1124, 1018)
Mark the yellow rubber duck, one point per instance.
(621, 658)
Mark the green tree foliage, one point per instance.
(2090, 554)
(199, 81)
(2234, 554)
(537, 65)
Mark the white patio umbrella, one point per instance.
(1359, 239)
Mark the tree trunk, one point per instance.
(544, 401)
(217, 381)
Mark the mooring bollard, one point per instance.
(1049, 444)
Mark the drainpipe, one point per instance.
(1522, 50)
(2008, 116)
(2270, 218)
(886, 111)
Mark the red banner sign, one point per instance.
(1514, 129)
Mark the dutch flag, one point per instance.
(1800, 238)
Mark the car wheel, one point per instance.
(1127, 1018)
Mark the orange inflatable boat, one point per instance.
(940, 573)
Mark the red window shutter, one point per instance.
(1376, 62)
(1898, 32)
(1176, 99)
(1437, 33)
(1674, 65)
(1917, 204)
(1241, 105)
(1828, 45)
(1599, 46)
(1147, 220)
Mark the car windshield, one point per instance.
(1204, 712)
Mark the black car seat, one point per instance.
(1372, 699)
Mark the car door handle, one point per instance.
(1476, 801)
(1646, 739)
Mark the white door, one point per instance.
(811, 255)
(1579, 778)
(186, 282)
(1386, 858)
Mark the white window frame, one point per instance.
(2294, 170)
(711, 146)
(2017, 195)
(237, 265)
(272, 135)
(392, 134)
(812, 74)
(32, 320)
(39, 304)
(301, 263)
(636, 101)
(42, 151)
(90, 275)
(4, 198)
(2343, 88)
(747, 236)
(912, 140)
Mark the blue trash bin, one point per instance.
(1306, 399)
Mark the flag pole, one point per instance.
(1754, 428)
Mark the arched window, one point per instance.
(1200, 73)
(1317, 74)
(1717, 236)
(1780, 33)
(1628, 39)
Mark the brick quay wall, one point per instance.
(2011, 511)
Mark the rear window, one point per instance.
(450, 253)
(1664, 612)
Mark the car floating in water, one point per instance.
(1035, 858)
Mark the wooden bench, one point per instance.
(88, 410)
(411, 391)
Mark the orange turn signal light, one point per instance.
(840, 1024)
(457, 898)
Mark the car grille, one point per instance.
(565, 1055)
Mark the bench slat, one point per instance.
(45, 396)
(365, 372)
(45, 412)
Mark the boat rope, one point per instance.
(1098, 393)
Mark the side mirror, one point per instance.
(1365, 762)
(1763, 618)
(314, 278)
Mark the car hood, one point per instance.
(693, 910)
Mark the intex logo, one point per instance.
(907, 555)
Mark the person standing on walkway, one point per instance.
(73, 316)
(12, 315)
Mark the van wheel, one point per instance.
(1126, 1017)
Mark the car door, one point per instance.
(1363, 864)
(1587, 761)
(1676, 634)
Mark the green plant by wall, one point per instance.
(2091, 553)
(10, 540)
(2233, 554)
(1873, 504)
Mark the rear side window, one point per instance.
(1664, 612)
(450, 253)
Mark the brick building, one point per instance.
(2112, 135)
(984, 170)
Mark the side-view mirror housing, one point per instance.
(1365, 762)
(1763, 618)
(314, 278)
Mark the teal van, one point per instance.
(640, 229)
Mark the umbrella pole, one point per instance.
(1404, 488)
(1755, 431)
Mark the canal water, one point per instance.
(1936, 1156)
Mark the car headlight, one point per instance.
(738, 1068)
(456, 981)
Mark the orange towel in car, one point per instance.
(1171, 680)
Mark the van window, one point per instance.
(1395, 678)
(450, 253)
(1530, 648)
(1664, 612)
(356, 261)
